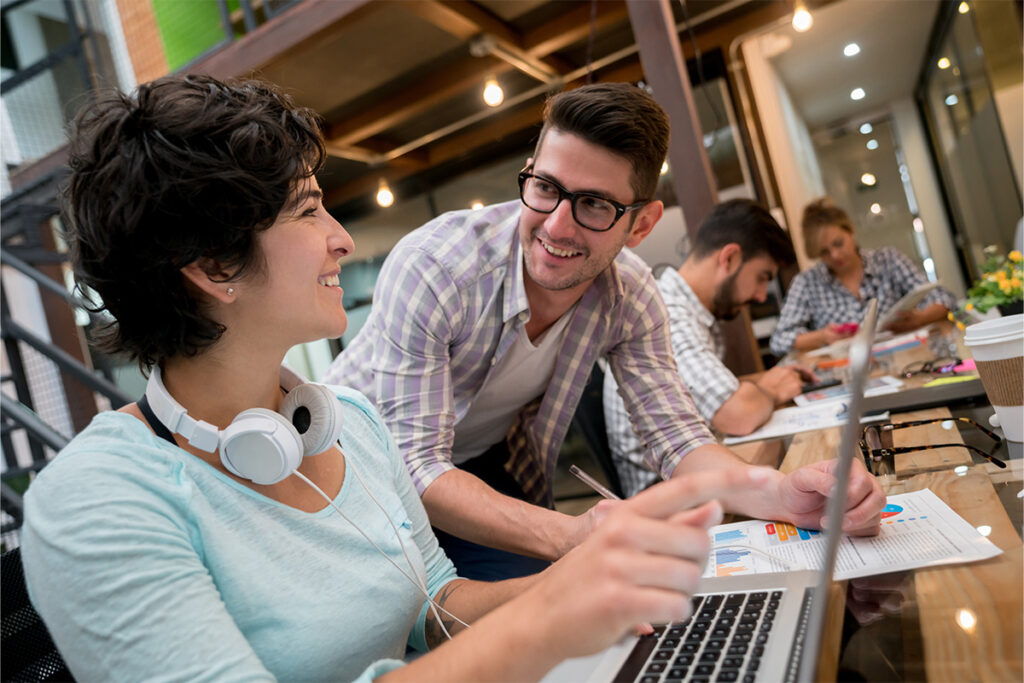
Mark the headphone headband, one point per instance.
(199, 433)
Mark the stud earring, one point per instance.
(231, 291)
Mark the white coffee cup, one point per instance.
(998, 349)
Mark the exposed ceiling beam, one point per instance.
(404, 104)
(451, 147)
(572, 27)
(273, 40)
(467, 20)
(451, 81)
(463, 20)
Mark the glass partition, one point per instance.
(968, 137)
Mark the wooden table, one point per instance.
(957, 623)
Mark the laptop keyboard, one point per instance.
(724, 640)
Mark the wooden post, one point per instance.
(694, 185)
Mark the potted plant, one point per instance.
(999, 286)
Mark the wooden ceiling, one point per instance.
(399, 82)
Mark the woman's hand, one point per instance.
(833, 332)
(642, 563)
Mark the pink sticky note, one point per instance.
(965, 366)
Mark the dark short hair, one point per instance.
(821, 213)
(620, 117)
(185, 167)
(748, 224)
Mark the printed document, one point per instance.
(786, 421)
(917, 530)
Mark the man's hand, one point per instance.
(785, 382)
(804, 493)
(586, 523)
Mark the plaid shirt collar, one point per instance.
(867, 261)
(672, 284)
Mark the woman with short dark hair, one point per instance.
(237, 522)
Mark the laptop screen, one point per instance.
(860, 367)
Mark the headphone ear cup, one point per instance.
(315, 412)
(261, 446)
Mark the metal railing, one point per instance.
(25, 215)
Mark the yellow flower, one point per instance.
(1005, 286)
(1015, 282)
(969, 307)
(1000, 276)
(1014, 256)
(949, 316)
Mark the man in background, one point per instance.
(737, 252)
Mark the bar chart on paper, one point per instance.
(730, 560)
(916, 529)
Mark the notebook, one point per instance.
(758, 627)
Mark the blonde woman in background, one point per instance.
(825, 299)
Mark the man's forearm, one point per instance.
(748, 408)
(762, 502)
(467, 507)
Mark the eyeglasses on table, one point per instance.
(879, 452)
(936, 366)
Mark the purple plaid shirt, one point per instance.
(448, 304)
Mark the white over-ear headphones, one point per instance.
(259, 444)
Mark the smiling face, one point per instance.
(296, 293)
(559, 254)
(744, 286)
(837, 249)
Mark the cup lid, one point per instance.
(999, 329)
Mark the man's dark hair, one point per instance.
(187, 167)
(748, 224)
(620, 117)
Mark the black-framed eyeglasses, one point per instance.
(936, 366)
(879, 452)
(592, 211)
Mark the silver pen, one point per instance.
(592, 483)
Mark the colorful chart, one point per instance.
(891, 510)
(784, 532)
(730, 560)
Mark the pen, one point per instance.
(592, 483)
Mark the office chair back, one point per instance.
(28, 651)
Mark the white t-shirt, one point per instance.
(521, 375)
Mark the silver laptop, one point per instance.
(757, 627)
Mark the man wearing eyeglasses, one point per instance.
(485, 327)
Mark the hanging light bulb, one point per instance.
(802, 19)
(385, 198)
(493, 94)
